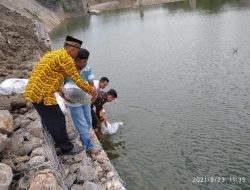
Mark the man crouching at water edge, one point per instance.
(98, 114)
(101, 84)
(81, 112)
(46, 79)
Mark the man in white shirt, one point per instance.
(103, 83)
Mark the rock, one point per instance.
(10, 163)
(17, 102)
(18, 149)
(95, 164)
(35, 128)
(27, 148)
(70, 179)
(103, 179)
(3, 71)
(35, 142)
(36, 160)
(6, 122)
(76, 187)
(5, 103)
(23, 110)
(29, 105)
(101, 157)
(21, 167)
(100, 174)
(86, 173)
(73, 168)
(21, 121)
(79, 157)
(32, 115)
(86, 161)
(44, 180)
(19, 74)
(106, 166)
(66, 157)
(6, 176)
(66, 172)
(116, 184)
(24, 183)
(3, 141)
(110, 174)
(90, 186)
(21, 159)
(99, 169)
(38, 152)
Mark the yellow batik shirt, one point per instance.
(48, 76)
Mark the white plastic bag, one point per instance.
(8, 86)
(13, 85)
(110, 128)
(61, 103)
(76, 95)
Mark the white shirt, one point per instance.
(96, 85)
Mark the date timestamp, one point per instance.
(219, 179)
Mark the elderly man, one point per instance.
(46, 79)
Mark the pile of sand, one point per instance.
(22, 42)
(20, 46)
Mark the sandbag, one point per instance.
(13, 85)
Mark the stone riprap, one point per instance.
(24, 151)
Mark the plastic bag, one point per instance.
(8, 86)
(61, 103)
(110, 128)
(76, 95)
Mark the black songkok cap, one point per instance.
(83, 54)
(73, 42)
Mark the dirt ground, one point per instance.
(20, 48)
(19, 45)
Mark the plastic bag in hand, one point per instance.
(75, 95)
(110, 128)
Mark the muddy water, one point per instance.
(183, 92)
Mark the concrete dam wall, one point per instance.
(48, 12)
(65, 6)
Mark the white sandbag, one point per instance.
(76, 95)
(110, 128)
(8, 86)
(15, 85)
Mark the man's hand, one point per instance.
(103, 118)
(94, 94)
(60, 92)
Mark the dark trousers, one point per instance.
(95, 121)
(54, 121)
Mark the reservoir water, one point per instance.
(182, 73)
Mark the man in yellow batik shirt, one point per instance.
(46, 79)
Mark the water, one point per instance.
(183, 94)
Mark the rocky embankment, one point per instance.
(28, 159)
